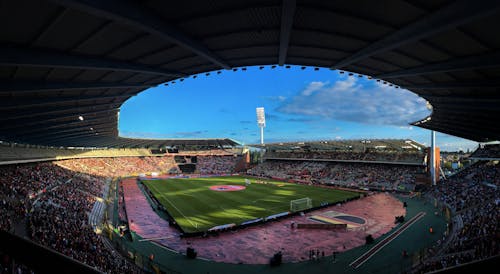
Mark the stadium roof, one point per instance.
(62, 59)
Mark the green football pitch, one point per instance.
(195, 207)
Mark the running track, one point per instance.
(363, 258)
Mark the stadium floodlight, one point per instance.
(261, 121)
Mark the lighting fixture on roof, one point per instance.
(316, 69)
(219, 72)
(166, 84)
(235, 69)
(194, 76)
(207, 74)
(287, 66)
(244, 69)
(341, 71)
(182, 79)
(273, 67)
(351, 74)
(302, 68)
(359, 75)
(261, 67)
(80, 118)
(91, 128)
(173, 82)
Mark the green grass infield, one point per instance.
(197, 208)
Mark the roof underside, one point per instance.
(60, 59)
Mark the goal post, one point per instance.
(300, 204)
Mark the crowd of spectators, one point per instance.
(216, 164)
(371, 156)
(354, 175)
(59, 221)
(55, 198)
(474, 197)
(487, 151)
(119, 167)
(54, 203)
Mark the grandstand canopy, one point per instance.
(65, 59)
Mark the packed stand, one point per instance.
(55, 203)
(487, 151)
(216, 164)
(368, 156)
(353, 175)
(119, 167)
(474, 196)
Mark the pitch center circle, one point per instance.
(226, 188)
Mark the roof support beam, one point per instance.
(446, 110)
(62, 118)
(456, 85)
(455, 14)
(30, 57)
(463, 121)
(459, 132)
(467, 99)
(52, 140)
(30, 87)
(89, 135)
(56, 101)
(287, 14)
(55, 124)
(57, 120)
(484, 107)
(491, 60)
(133, 14)
(132, 142)
(47, 132)
(67, 111)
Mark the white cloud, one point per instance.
(279, 98)
(350, 100)
(312, 87)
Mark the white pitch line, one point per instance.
(157, 238)
(189, 220)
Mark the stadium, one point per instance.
(77, 197)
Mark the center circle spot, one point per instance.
(227, 188)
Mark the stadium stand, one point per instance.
(474, 200)
(353, 175)
(487, 152)
(383, 151)
(217, 164)
(54, 203)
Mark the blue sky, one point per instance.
(299, 104)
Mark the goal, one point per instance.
(300, 204)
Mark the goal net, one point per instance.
(300, 204)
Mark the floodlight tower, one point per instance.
(433, 158)
(261, 121)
